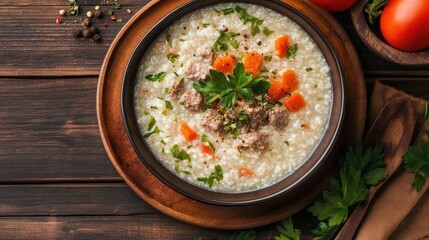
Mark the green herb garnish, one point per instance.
(374, 9)
(361, 169)
(240, 84)
(152, 123)
(216, 175)
(417, 161)
(168, 105)
(116, 5)
(224, 39)
(169, 41)
(156, 130)
(287, 231)
(427, 114)
(163, 142)
(173, 57)
(246, 18)
(227, 11)
(267, 31)
(309, 69)
(205, 139)
(74, 7)
(287, 142)
(245, 235)
(179, 154)
(159, 77)
(268, 58)
(291, 52)
(243, 118)
(205, 25)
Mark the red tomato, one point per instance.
(405, 24)
(334, 5)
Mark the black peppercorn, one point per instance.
(87, 22)
(86, 33)
(98, 13)
(77, 33)
(93, 30)
(96, 38)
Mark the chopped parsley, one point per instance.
(179, 154)
(417, 161)
(169, 41)
(159, 77)
(240, 84)
(224, 39)
(268, 58)
(152, 123)
(227, 11)
(291, 52)
(286, 142)
(267, 31)
(173, 57)
(151, 126)
(154, 107)
(168, 105)
(217, 175)
(246, 18)
(205, 25)
(156, 130)
(205, 139)
(163, 142)
(309, 69)
(264, 70)
(243, 118)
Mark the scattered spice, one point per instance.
(97, 8)
(77, 33)
(113, 18)
(62, 12)
(93, 30)
(59, 20)
(86, 33)
(129, 11)
(89, 14)
(87, 22)
(96, 38)
(105, 25)
(98, 13)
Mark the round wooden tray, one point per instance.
(170, 202)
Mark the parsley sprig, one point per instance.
(240, 84)
(287, 231)
(224, 40)
(361, 169)
(217, 175)
(74, 7)
(417, 161)
(158, 77)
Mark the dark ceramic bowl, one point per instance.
(289, 184)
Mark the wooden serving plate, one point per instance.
(381, 48)
(170, 202)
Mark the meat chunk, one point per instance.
(193, 101)
(257, 115)
(176, 90)
(197, 71)
(278, 117)
(212, 120)
(254, 141)
(205, 53)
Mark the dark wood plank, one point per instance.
(70, 199)
(32, 44)
(49, 131)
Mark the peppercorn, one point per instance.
(89, 14)
(62, 12)
(87, 22)
(97, 8)
(93, 29)
(96, 38)
(98, 13)
(86, 33)
(77, 33)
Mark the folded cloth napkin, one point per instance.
(399, 212)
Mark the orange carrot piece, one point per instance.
(276, 91)
(252, 61)
(245, 172)
(281, 44)
(206, 149)
(295, 102)
(225, 64)
(290, 81)
(188, 133)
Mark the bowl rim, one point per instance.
(277, 189)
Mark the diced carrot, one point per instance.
(206, 149)
(276, 91)
(188, 133)
(306, 126)
(225, 64)
(245, 172)
(252, 62)
(290, 81)
(295, 102)
(281, 44)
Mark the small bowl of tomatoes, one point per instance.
(397, 30)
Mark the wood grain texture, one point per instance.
(378, 46)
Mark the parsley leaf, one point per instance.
(309, 69)
(159, 77)
(152, 123)
(179, 154)
(324, 232)
(245, 235)
(205, 25)
(268, 58)
(169, 41)
(74, 7)
(267, 31)
(173, 57)
(224, 39)
(287, 231)
(416, 160)
(227, 11)
(168, 105)
(427, 113)
(245, 17)
(217, 175)
(240, 84)
(291, 52)
(156, 130)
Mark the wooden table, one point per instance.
(56, 181)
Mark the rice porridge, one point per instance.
(233, 97)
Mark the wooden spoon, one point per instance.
(394, 128)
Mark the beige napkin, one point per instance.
(399, 212)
